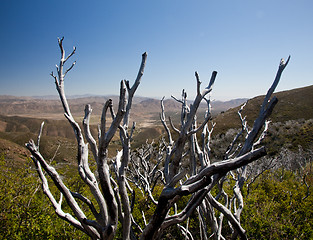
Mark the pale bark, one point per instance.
(105, 225)
(195, 179)
(201, 178)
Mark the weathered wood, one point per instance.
(115, 197)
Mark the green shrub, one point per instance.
(277, 207)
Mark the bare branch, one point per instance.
(148, 166)
(106, 138)
(177, 178)
(172, 125)
(162, 117)
(266, 109)
(132, 90)
(89, 137)
(280, 70)
(132, 131)
(65, 216)
(87, 202)
(39, 134)
(70, 55)
(39, 161)
(69, 69)
(55, 78)
(201, 126)
(176, 99)
(108, 105)
(229, 216)
(198, 83)
(228, 165)
(263, 134)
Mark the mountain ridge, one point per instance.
(41, 107)
(292, 104)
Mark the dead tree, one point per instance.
(182, 165)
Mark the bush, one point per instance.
(278, 207)
(25, 212)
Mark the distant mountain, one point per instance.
(292, 105)
(50, 107)
(223, 106)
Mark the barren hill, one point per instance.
(144, 110)
(21, 117)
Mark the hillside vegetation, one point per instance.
(291, 121)
(278, 204)
(292, 105)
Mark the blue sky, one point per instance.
(242, 40)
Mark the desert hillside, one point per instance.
(291, 127)
(143, 108)
(20, 118)
(293, 104)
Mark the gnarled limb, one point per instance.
(105, 225)
(79, 223)
(182, 166)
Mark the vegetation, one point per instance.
(278, 208)
(278, 205)
(275, 208)
(294, 105)
(180, 197)
(24, 211)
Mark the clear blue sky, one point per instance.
(242, 40)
